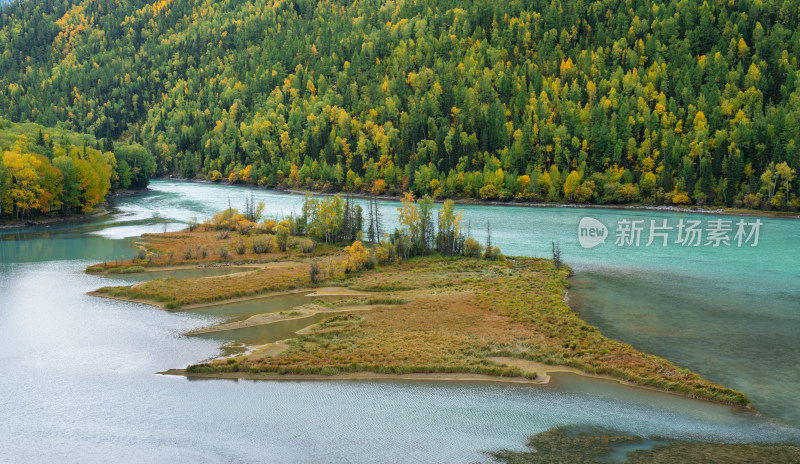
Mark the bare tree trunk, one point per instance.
(371, 227)
(377, 219)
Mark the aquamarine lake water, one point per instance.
(79, 379)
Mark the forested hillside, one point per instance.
(48, 171)
(672, 101)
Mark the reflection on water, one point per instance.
(730, 314)
(742, 339)
(232, 312)
(266, 333)
(642, 398)
(135, 230)
(57, 246)
(78, 384)
(78, 377)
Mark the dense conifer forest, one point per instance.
(666, 102)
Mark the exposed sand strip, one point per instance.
(454, 377)
(318, 292)
(301, 312)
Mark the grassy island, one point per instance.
(463, 314)
(595, 446)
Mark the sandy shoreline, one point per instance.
(543, 377)
(427, 377)
(312, 292)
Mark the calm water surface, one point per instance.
(79, 380)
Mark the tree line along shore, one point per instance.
(48, 175)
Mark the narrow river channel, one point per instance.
(79, 373)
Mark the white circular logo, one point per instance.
(591, 232)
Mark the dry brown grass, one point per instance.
(204, 247)
(432, 315)
(175, 293)
(282, 271)
(461, 312)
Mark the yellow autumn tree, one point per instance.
(571, 185)
(379, 187)
(89, 183)
(24, 182)
(356, 256)
(409, 215)
(647, 184)
(786, 175)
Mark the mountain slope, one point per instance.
(671, 101)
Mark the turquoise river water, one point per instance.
(79, 380)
